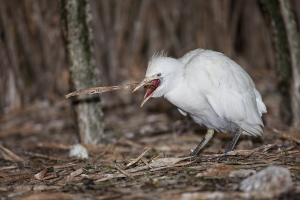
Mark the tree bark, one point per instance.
(283, 58)
(83, 70)
(294, 47)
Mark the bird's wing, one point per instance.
(239, 108)
(228, 88)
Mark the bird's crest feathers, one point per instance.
(159, 54)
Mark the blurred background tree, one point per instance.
(34, 59)
(84, 73)
(287, 44)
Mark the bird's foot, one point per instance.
(222, 157)
(192, 154)
(225, 155)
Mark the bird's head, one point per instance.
(161, 70)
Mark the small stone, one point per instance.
(271, 179)
(79, 151)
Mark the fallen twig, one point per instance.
(71, 176)
(9, 155)
(138, 158)
(264, 148)
(124, 172)
(286, 136)
(146, 163)
(38, 155)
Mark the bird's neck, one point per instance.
(176, 86)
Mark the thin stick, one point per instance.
(138, 158)
(124, 172)
(96, 90)
(286, 136)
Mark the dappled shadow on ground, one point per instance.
(146, 159)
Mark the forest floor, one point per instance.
(146, 159)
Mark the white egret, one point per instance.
(214, 90)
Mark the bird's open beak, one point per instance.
(150, 84)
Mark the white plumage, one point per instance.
(214, 90)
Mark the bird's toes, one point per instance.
(222, 157)
(192, 154)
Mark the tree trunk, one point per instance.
(294, 47)
(283, 58)
(83, 70)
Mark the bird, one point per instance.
(214, 90)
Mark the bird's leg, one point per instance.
(235, 138)
(207, 137)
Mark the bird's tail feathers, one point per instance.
(252, 130)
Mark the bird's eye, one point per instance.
(159, 74)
